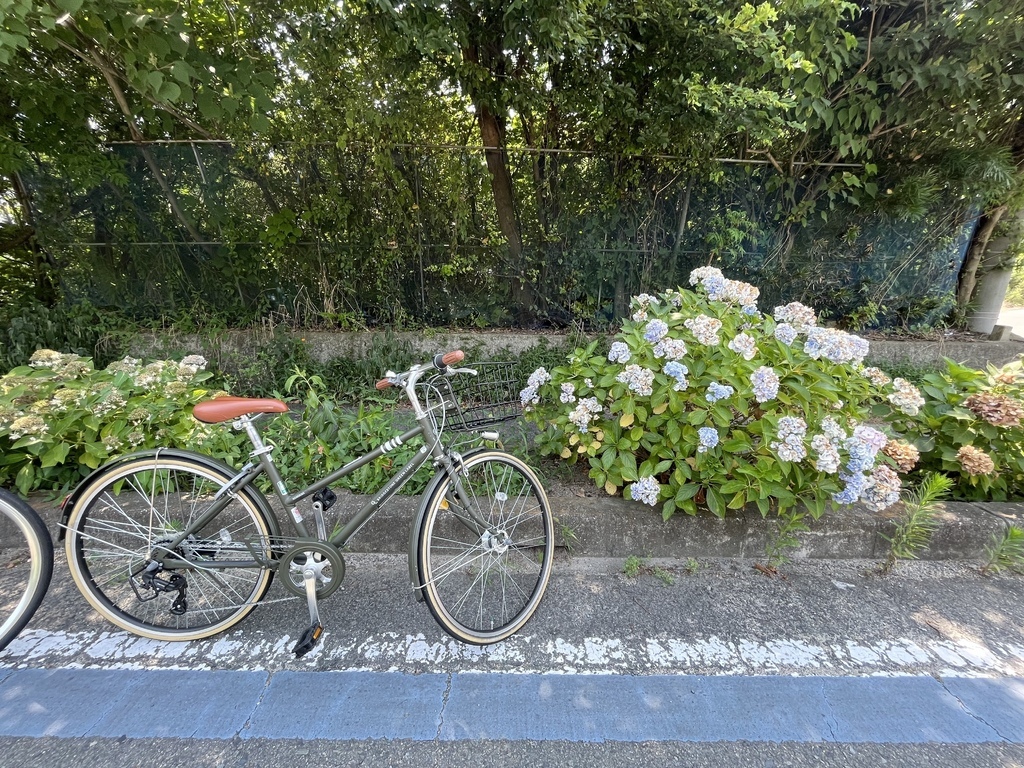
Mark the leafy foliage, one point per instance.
(970, 429)
(78, 328)
(1006, 552)
(327, 437)
(346, 176)
(60, 418)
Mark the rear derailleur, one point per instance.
(150, 581)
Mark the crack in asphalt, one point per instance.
(444, 705)
(830, 718)
(259, 700)
(970, 712)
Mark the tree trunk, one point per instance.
(44, 268)
(994, 278)
(620, 303)
(684, 211)
(484, 51)
(983, 250)
(504, 202)
(968, 277)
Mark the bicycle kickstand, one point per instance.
(312, 634)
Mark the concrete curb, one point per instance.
(605, 526)
(611, 527)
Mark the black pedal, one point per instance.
(308, 640)
(326, 497)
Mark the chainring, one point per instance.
(328, 564)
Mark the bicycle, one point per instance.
(26, 565)
(174, 545)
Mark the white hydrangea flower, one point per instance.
(640, 380)
(743, 344)
(705, 329)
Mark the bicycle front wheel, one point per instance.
(485, 548)
(141, 507)
(26, 565)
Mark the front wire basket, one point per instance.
(471, 402)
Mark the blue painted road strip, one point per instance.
(373, 705)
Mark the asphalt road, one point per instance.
(830, 665)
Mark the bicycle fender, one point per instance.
(417, 524)
(173, 453)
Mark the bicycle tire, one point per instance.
(125, 511)
(26, 565)
(483, 587)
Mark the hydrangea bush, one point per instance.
(60, 418)
(702, 399)
(970, 426)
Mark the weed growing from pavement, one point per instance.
(635, 566)
(569, 537)
(632, 566)
(914, 531)
(790, 524)
(1006, 553)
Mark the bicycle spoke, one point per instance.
(150, 507)
(484, 585)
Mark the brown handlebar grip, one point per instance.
(455, 356)
(383, 384)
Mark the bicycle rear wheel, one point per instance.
(142, 505)
(26, 565)
(485, 548)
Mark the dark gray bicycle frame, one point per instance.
(431, 448)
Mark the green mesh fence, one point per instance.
(369, 235)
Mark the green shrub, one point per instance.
(702, 399)
(60, 418)
(328, 436)
(970, 428)
(80, 328)
(257, 368)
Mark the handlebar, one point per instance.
(441, 361)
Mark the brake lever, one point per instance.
(470, 371)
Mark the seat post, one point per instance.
(247, 423)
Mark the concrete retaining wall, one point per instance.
(324, 346)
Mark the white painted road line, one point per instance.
(248, 650)
(451, 707)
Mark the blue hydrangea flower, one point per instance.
(678, 372)
(785, 333)
(718, 392)
(856, 483)
(766, 384)
(715, 286)
(708, 438)
(619, 353)
(656, 330)
(645, 490)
